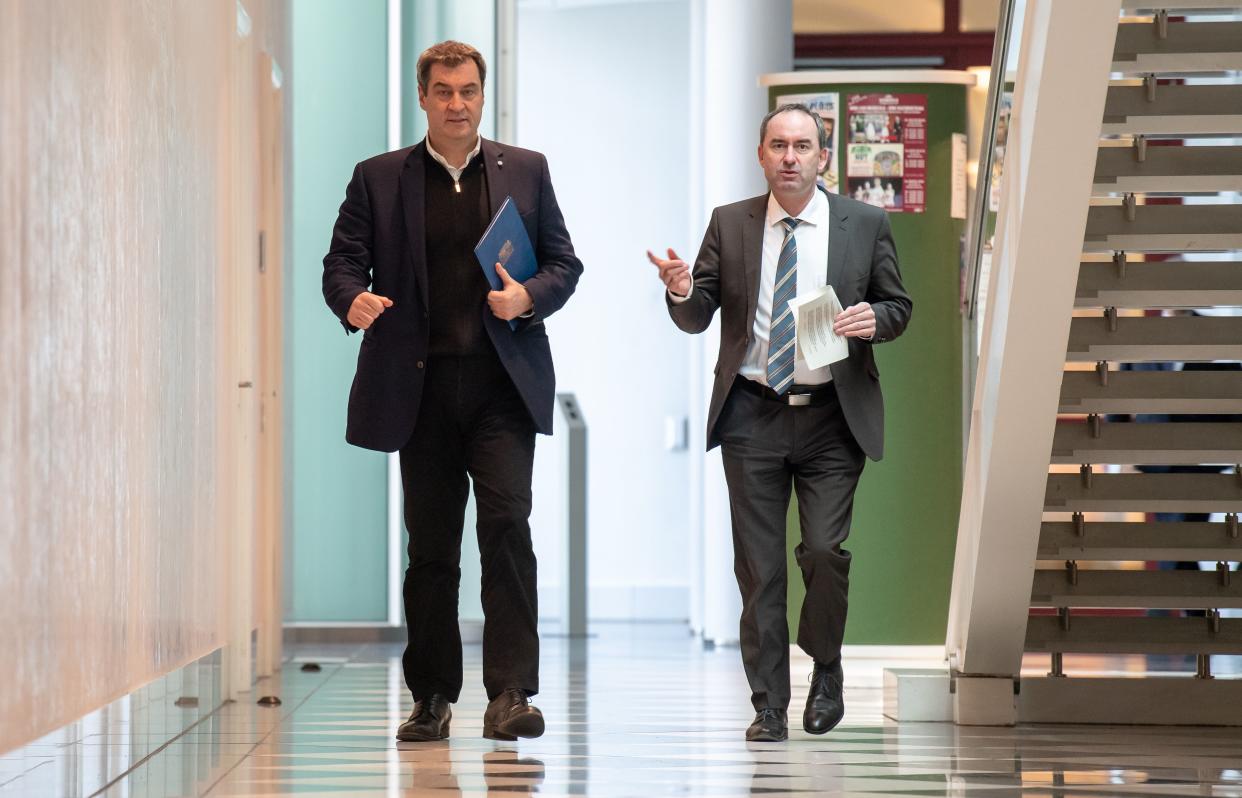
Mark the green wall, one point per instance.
(906, 508)
(336, 493)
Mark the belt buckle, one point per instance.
(798, 399)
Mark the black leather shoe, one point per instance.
(510, 715)
(770, 726)
(825, 705)
(429, 721)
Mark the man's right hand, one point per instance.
(366, 308)
(674, 271)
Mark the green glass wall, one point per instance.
(336, 493)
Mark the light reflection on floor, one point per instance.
(635, 711)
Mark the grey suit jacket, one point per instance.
(862, 265)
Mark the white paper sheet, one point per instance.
(813, 315)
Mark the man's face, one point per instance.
(453, 102)
(790, 153)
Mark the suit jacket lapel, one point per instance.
(838, 240)
(497, 181)
(413, 187)
(752, 254)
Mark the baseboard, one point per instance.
(607, 603)
(147, 718)
(623, 603)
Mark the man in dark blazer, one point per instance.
(443, 379)
(781, 423)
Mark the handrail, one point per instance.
(987, 152)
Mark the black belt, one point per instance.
(795, 395)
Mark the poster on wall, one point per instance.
(886, 159)
(826, 106)
(957, 174)
(998, 152)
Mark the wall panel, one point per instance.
(112, 194)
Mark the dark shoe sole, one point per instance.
(825, 730)
(409, 737)
(810, 730)
(418, 738)
(529, 725)
(767, 738)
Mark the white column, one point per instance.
(396, 541)
(733, 42)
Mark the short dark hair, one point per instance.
(452, 54)
(780, 109)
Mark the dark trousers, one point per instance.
(471, 421)
(768, 448)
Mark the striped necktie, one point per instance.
(781, 332)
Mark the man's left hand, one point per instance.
(856, 321)
(511, 300)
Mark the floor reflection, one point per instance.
(634, 711)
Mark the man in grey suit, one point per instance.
(780, 423)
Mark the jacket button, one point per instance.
(420, 364)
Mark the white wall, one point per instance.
(603, 92)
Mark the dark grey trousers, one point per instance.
(768, 448)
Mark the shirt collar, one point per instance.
(454, 171)
(815, 213)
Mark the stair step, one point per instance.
(1167, 284)
(1212, 109)
(1189, 47)
(1147, 443)
(1152, 392)
(1164, 228)
(1144, 493)
(1129, 701)
(1136, 589)
(1124, 635)
(1118, 540)
(1149, 6)
(1153, 338)
(1168, 169)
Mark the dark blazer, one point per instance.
(379, 244)
(862, 265)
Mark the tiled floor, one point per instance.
(636, 711)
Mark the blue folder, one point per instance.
(505, 242)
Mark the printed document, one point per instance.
(813, 315)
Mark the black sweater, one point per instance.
(456, 288)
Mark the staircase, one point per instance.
(1096, 589)
(1118, 229)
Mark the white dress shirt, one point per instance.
(454, 171)
(812, 239)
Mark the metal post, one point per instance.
(506, 74)
(574, 469)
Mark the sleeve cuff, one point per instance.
(677, 300)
